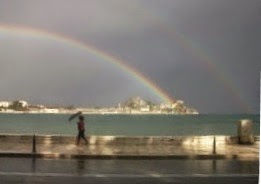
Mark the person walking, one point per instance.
(81, 130)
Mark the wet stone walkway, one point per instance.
(248, 152)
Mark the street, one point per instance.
(27, 170)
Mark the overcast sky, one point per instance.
(205, 52)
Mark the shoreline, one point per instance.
(119, 113)
(98, 113)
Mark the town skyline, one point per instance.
(132, 105)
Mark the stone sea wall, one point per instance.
(136, 140)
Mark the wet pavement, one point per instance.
(128, 163)
(249, 152)
(31, 170)
(125, 167)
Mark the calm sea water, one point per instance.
(129, 125)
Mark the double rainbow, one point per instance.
(28, 32)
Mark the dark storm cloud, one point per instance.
(168, 41)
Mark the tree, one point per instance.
(18, 106)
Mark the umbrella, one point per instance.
(74, 115)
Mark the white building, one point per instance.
(165, 106)
(4, 104)
(23, 103)
(145, 108)
(50, 110)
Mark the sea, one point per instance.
(126, 125)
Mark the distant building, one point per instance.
(4, 104)
(180, 102)
(23, 103)
(165, 106)
(145, 108)
(50, 110)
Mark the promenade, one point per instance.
(109, 159)
(202, 147)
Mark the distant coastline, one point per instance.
(134, 105)
(93, 112)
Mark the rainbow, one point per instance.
(7, 29)
(194, 49)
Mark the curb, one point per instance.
(131, 157)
